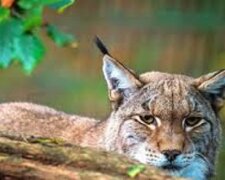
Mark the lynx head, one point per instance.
(166, 120)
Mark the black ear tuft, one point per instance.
(100, 45)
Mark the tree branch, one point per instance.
(42, 158)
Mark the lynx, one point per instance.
(166, 120)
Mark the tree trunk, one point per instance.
(51, 159)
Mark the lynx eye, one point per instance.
(193, 121)
(148, 119)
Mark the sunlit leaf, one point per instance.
(11, 30)
(134, 170)
(60, 38)
(29, 51)
(61, 5)
(4, 13)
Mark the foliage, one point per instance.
(20, 25)
(61, 39)
(134, 170)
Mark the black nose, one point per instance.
(171, 154)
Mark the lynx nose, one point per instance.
(171, 154)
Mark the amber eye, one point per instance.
(148, 119)
(192, 121)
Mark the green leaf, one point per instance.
(134, 170)
(25, 4)
(30, 4)
(29, 51)
(17, 44)
(4, 13)
(61, 5)
(10, 30)
(33, 18)
(60, 38)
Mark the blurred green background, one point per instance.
(176, 36)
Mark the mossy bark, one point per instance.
(41, 158)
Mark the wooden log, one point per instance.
(43, 158)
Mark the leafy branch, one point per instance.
(20, 25)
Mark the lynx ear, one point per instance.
(120, 80)
(212, 86)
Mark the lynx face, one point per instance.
(165, 120)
